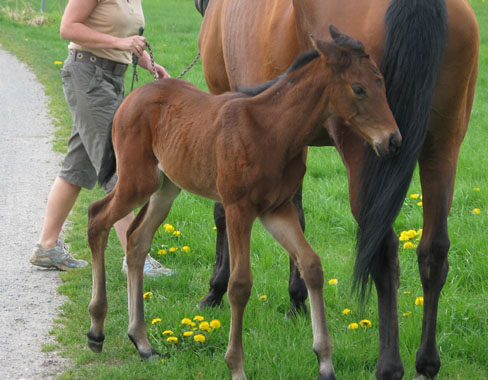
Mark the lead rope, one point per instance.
(153, 65)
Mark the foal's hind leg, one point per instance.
(283, 224)
(139, 239)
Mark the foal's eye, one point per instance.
(358, 90)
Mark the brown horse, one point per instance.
(428, 53)
(168, 135)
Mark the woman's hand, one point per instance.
(136, 44)
(145, 62)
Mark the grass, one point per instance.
(275, 349)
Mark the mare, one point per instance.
(428, 53)
(169, 135)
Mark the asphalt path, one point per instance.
(29, 301)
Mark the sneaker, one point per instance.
(56, 257)
(152, 268)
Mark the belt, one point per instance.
(116, 68)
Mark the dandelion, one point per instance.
(172, 339)
(420, 204)
(186, 321)
(165, 45)
(414, 196)
(173, 249)
(185, 249)
(198, 318)
(156, 320)
(214, 228)
(409, 245)
(419, 301)
(205, 326)
(162, 251)
(365, 323)
(346, 311)
(168, 332)
(407, 292)
(353, 326)
(168, 228)
(188, 333)
(407, 314)
(215, 324)
(476, 211)
(147, 295)
(57, 63)
(476, 189)
(26, 39)
(199, 338)
(333, 281)
(177, 233)
(263, 298)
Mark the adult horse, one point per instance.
(168, 136)
(428, 52)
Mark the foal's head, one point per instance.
(357, 92)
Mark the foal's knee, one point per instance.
(239, 290)
(312, 272)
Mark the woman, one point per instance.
(103, 35)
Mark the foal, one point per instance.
(244, 151)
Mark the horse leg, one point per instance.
(220, 275)
(437, 164)
(139, 239)
(283, 225)
(101, 217)
(239, 225)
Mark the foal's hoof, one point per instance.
(95, 344)
(151, 356)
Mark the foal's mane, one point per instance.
(301, 61)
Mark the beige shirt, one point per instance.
(120, 18)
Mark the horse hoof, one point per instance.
(95, 344)
(151, 356)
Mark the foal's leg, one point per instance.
(239, 224)
(139, 239)
(283, 225)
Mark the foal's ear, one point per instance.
(333, 53)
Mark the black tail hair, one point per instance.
(416, 32)
(109, 164)
(201, 6)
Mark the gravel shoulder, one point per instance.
(29, 301)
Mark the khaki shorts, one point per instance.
(93, 95)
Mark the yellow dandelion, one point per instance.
(476, 211)
(162, 251)
(26, 39)
(346, 311)
(168, 332)
(215, 324)
(57, 63)
(199, 338)
(205, 326)
(365, 323)
(476, 188)
(147, 295)
(353, 326)
(333, 281)
(263, 298)
(186, 321)
(173, 249)
(419, 301)
(214, 228)
(420, 203)
(172, 339)
(185, 249)
(198, 318)
(407, 314)
(156, 320)
(414, 196)
(409, 245)
(165, 45)
(168, 228)
(176, 233)
(188, 333)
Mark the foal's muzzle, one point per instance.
(390, 148)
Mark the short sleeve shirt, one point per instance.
(119, 18)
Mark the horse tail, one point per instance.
(201, 6)
(416, 33)
(109, 163)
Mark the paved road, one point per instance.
(28, 297)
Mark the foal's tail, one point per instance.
(109, 164)
(416, 33)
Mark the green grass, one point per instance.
(275, 349)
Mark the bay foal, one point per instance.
(245, 150)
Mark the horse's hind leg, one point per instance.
(283, 225)
(139, 239)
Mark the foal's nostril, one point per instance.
(394, 144)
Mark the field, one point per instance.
(275, 348)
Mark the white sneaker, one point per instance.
(152, 268)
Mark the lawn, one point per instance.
(275, 349)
